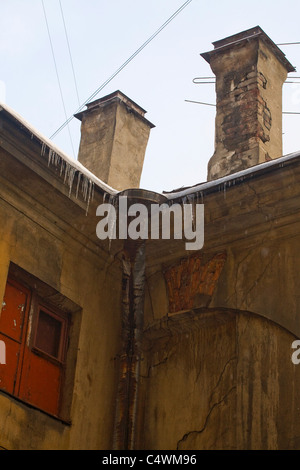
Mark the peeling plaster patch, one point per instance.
(192, 282)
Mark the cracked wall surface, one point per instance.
(217, 380)
(217, 371)
(214, 370)
(263, 279)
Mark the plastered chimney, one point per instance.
(250, 71)
(114, 137)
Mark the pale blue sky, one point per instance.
(103, 34)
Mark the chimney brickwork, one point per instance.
(250, 71)
(114, 137)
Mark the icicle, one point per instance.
(115, 203)
(57, 159)
(90, 188)
(43, 150)
(50, 156)
(184, 200)
(84, 187)
(78, 182)
(68, 172)
(190, 200)
(72, 173)
(53, 158)
(62, 165)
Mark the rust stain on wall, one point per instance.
(192, 282)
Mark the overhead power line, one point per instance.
(200, 102)
(184, 5)
(56, 71)
(70, 54)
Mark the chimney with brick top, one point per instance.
(114, 137)
(250, 71)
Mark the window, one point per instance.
(49, 334)
(36, 335)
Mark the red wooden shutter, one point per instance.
(35, 349)
(43, 363)
(13, 320)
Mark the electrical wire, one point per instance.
(287, 43)
(56, 70)
(200, 102)
(184, 5)
(70, 54)
(210, 104)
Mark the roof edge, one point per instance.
(56, 150)
(242, 175)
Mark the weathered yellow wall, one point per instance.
(220, 380)
(263, 278)
(217, 370)
(68, 267)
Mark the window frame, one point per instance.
(60, 316)
(44, 296)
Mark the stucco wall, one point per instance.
(219, 380)
(219, 326)
(44, 250)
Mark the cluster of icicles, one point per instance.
(85, 184)
(66, 170)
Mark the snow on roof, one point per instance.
(231, 179)
(68, 165)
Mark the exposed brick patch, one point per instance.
(246, 114)
(193, 280)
